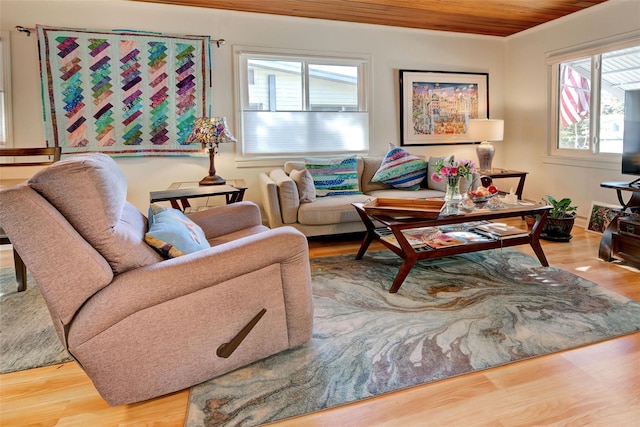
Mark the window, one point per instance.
(588, 90)
(301, 104)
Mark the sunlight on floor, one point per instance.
(625, 266)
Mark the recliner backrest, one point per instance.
(90, 191)
(67, 269)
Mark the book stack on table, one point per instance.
(500, 230)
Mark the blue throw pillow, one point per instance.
(401, 169)
(334, 177)
(172, 233)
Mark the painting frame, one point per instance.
(600, 216)
(437, 128)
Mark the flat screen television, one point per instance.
(631, 135)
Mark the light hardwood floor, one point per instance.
(596, 385)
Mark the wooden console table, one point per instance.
(411, 255)
(622, 243)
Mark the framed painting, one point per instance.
(435, 106)
(601, 215)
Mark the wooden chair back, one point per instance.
(24, 153)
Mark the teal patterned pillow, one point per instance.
(172, 233)
(334, 177)
(401, 169)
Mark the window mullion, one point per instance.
(305, 86)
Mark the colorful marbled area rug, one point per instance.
(26, 330)
(450, 317)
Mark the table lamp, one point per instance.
(210, 131)
(485, 131)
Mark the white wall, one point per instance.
(391, 48)
(527, 97)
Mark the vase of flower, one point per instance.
(452, 195)
(452, 171)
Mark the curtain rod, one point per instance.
(24, 30)
(20, 29)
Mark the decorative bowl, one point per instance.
(479, 200)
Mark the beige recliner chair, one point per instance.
(140, 325)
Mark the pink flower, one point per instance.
(453, 169)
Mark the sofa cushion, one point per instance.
(401, 169)
(331, 210)
(300, 164)
(304, 182)
(90, 190)
(334, 177)
(293, 165)
(370, 166)
(431, 168)
(172, 233)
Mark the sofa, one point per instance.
(282, 205)
(149, 306)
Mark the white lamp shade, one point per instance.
(485, 129)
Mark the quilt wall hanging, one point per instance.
(123, 92)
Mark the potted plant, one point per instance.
(560, 220)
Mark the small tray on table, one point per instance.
(418, 208)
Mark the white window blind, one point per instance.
(292, 132)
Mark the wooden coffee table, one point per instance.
(411, 255)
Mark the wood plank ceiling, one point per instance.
(489, 17)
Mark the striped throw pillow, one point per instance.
(401, 169)
(334, 177)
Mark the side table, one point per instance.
(506, 173)
(179, 193)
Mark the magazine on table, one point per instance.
(436, 238)
(445, 240)
(471, 236)
(465, 226)
(417, 237)
(501, 231)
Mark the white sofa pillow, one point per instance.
(304, 182)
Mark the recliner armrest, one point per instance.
(221, 220)
(155, 284)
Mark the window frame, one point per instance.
(5, 77)
(590, 157)
(241, 55)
